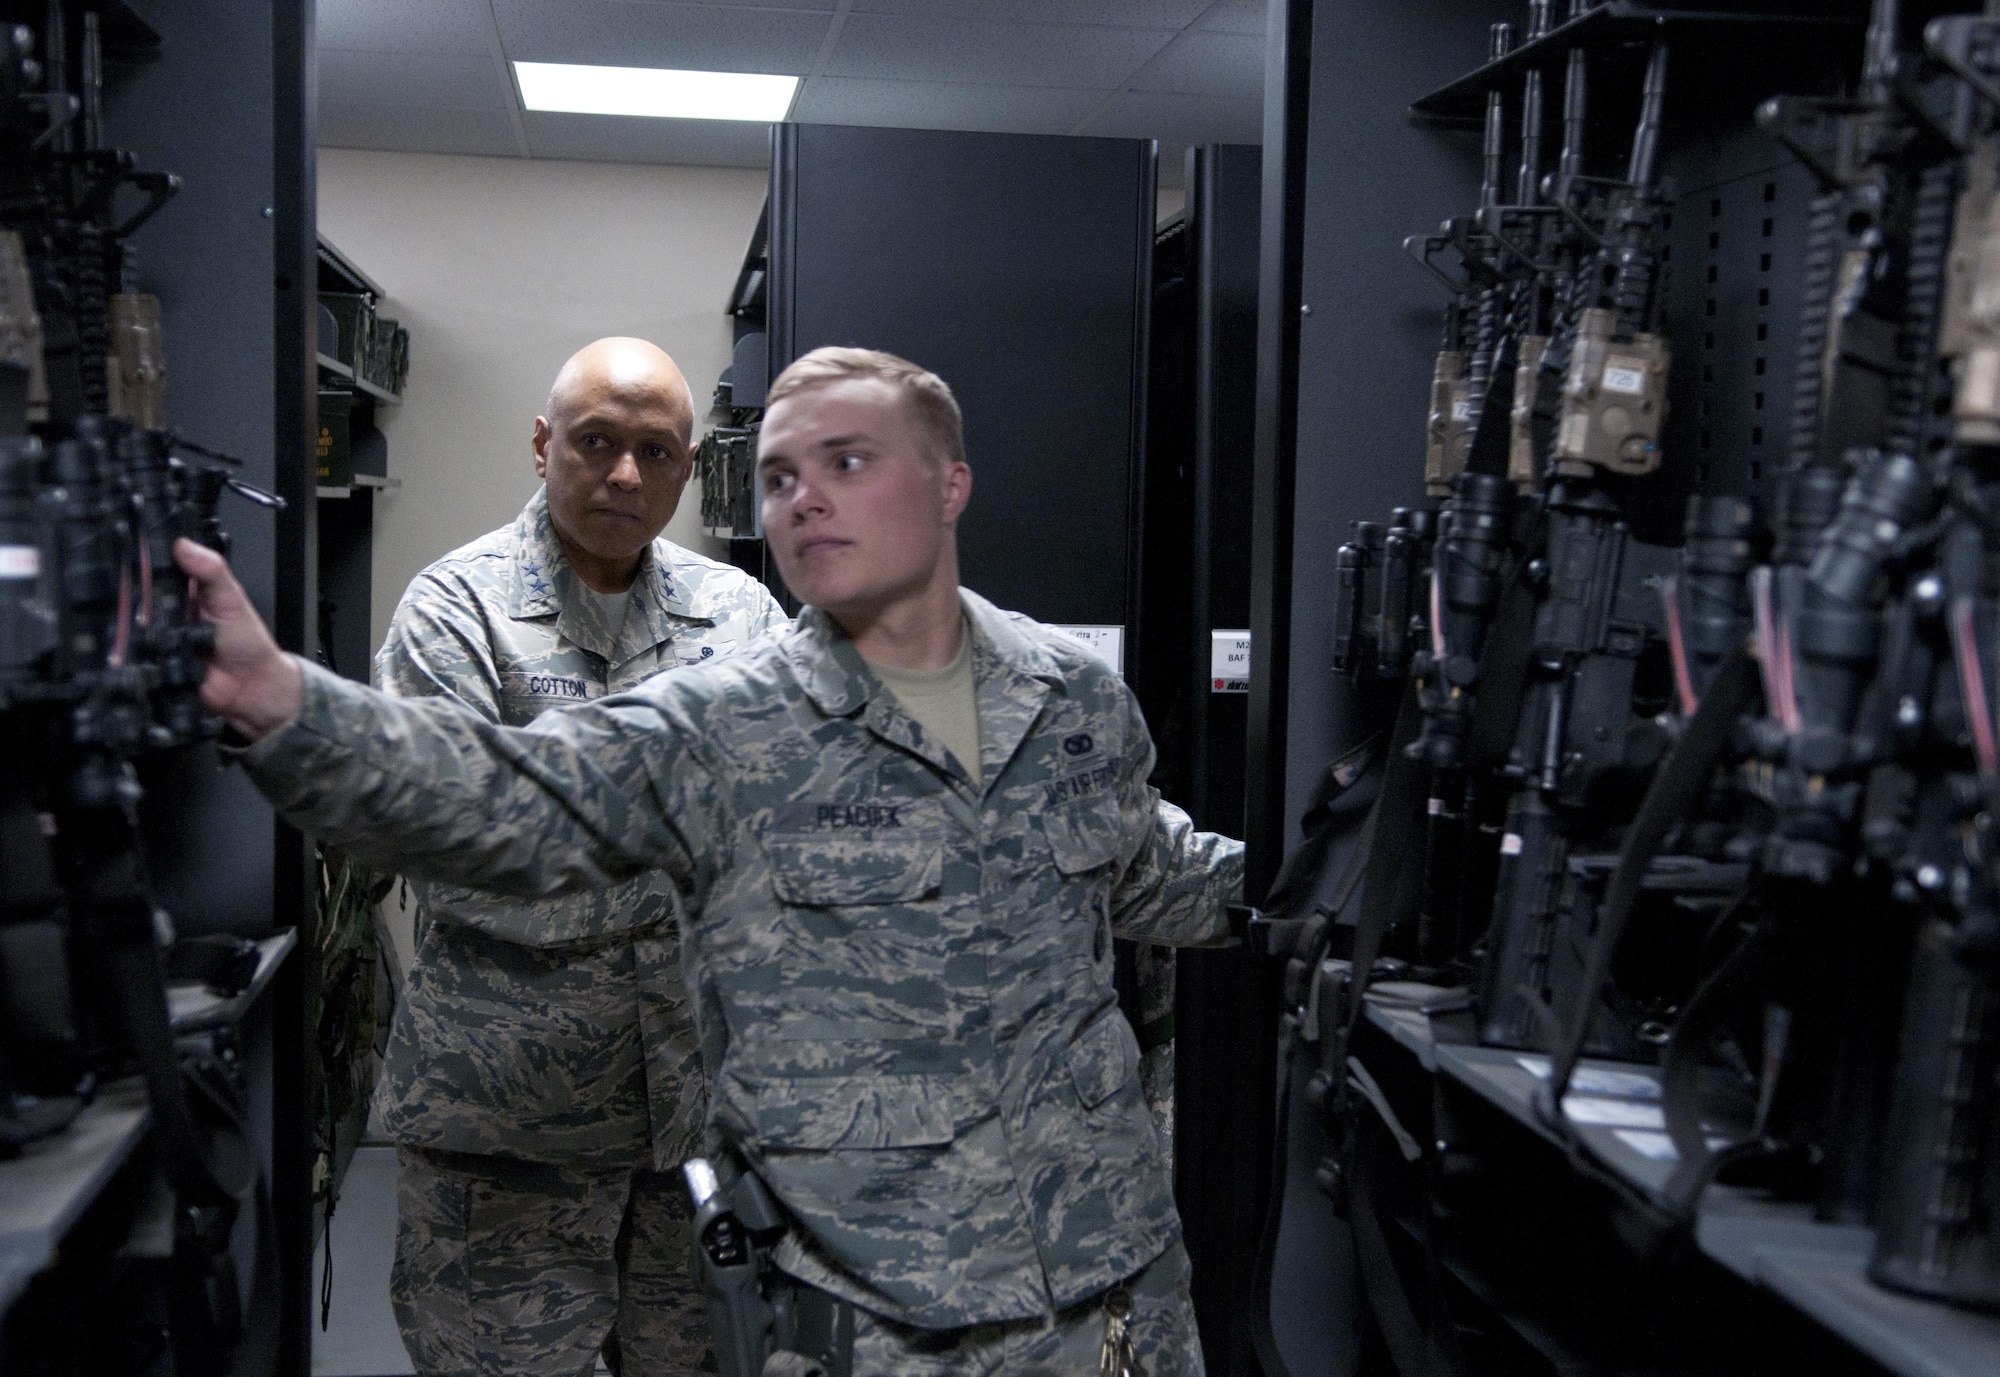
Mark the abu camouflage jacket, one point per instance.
(555, 1030)
(904, 983)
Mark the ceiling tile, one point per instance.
(1177, 118)
(410, 129)
(645, 33)
(1131, 14)
(1207, 64)
(825, 6)
(631, 139)
(405, 26)
(1236, 16)
(898, 49)
(447, 81)
(943, 105)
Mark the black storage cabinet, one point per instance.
(1018, 268)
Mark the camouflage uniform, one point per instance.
(904, 983)
(542, 1078)
(1160, 1320)
(1156, 973)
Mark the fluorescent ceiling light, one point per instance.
(656, 91)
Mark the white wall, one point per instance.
(501, 268)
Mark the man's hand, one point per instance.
(251, 684)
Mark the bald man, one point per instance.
(542, 1080)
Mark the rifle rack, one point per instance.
(51, 1185)
(1705, 35)
(1775, 1253)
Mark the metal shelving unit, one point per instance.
(338, 273)
(218, 97)
(361, 480)
(334, 368)
(346, 510)
(193, 1007)
(1531, 1250)
(1700, 34)
(45, 1190)
(1817, 1269)
(50, 1186)
(347, 277)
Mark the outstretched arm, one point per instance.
(578, 800)
(1174, 881)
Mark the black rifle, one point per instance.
(1845, 623)
(101, 658)
(1933, 804)
(1584, 740)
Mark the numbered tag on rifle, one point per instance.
(1614, 400)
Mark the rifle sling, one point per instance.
(1503, 677)
(1413, 1351)
(1263, 1340)
(1392, 886)
(1676, 788)
(1680, 1082)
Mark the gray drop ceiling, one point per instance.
(432, 76)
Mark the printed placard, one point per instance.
(20, 561)
(1229, 662)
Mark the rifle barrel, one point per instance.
(1531, 140)
(1879, 59)
(1646, 138)
(1576, 104)
(1501, 38)
(93, 83)
(56, 62)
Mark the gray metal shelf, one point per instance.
(378, 392)
(1819, 1269)
(361, 480)
(45, 1190)
(347, 277)
(1710, 33)
(332, 365)
(193, 1007)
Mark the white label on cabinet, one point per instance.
(1229, 662)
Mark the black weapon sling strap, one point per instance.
(1325, 903)
(1379, 874)
(1393, 887)
(203, 1143)
(1390, 895)
(206, 1161)
(1680, 1081)
(1676, 789)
